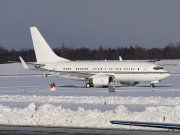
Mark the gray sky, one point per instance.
(90, 23)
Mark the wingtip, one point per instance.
(23, 63)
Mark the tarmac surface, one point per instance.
(37, 130)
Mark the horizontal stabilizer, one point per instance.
(31, 65)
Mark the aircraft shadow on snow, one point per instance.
(142, 86)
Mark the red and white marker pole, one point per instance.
(53, 85)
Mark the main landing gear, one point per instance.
(153, 82)
(88, 85)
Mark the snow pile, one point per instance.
(148, 101)
(50, 115)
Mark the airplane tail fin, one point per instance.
(42, 50)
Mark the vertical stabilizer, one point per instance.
(42, 50)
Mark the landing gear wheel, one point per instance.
(91, 85)
(88, 85)
(152, 85)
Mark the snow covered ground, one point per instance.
(29, 101)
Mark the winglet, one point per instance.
(153, 61)
(23, 63)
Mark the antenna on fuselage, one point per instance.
(120, 58)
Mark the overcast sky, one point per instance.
(90, 23)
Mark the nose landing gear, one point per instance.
(153, 82)
(152, 85)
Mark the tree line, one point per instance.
(171, 51)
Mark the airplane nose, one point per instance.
(166, 74)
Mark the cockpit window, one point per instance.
(158, 67)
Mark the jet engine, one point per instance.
(102, 80)
(129, 83)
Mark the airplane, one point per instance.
(147, 124)
(94, 73)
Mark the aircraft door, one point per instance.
(54, 67)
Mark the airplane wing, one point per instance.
(71, 75)
(147, 124)
(19, 75)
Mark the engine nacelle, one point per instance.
(129, 83)
(103, 81)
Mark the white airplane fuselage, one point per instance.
(123, 71)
